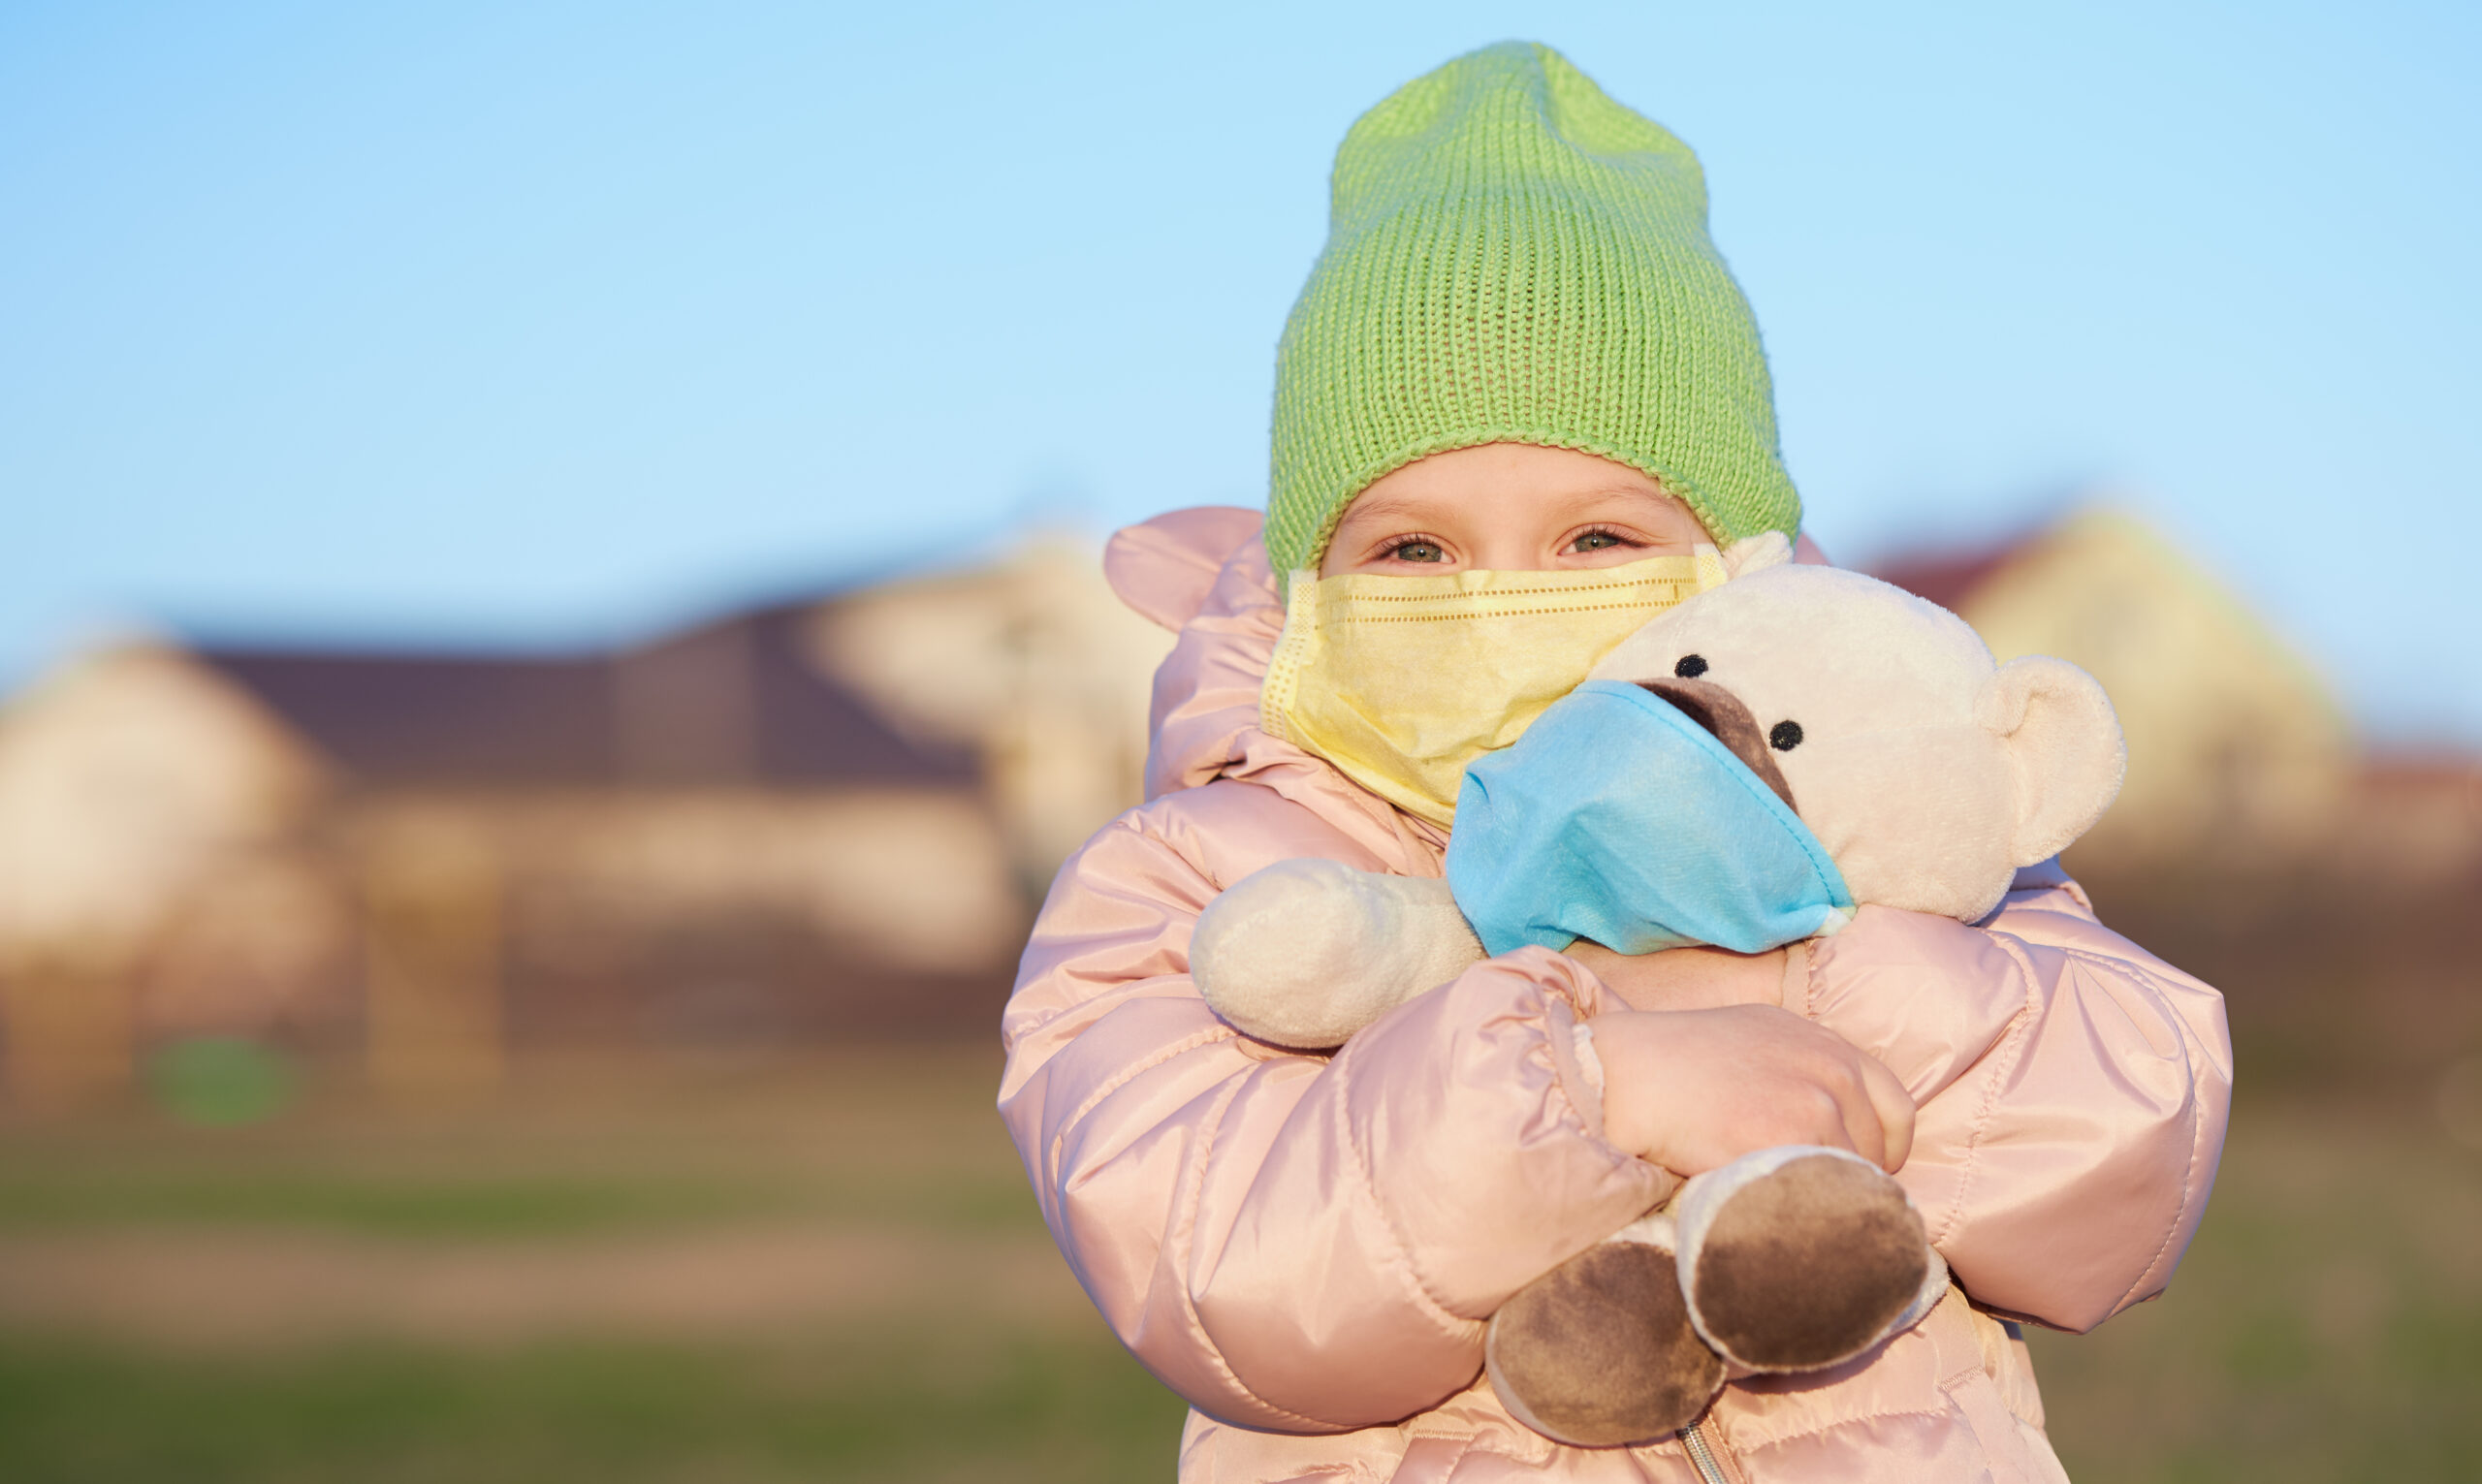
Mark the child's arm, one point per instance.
(1295, 1241)
(2073, 1094)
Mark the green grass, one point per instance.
(2326, 1324)
(855, 1407)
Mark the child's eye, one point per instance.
(1417, 550)
(1597, 541)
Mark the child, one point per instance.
(1521, 383)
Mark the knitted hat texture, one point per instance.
(1515, 258)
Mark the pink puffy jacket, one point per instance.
(1307, 1247)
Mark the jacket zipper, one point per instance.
(1702, 1456)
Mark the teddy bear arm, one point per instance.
(1304, 952)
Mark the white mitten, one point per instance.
(1305, 953)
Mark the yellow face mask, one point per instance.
(1401, 681)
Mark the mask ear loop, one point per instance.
(1292, 650)
(1757, 553)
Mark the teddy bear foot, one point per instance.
(1600, 1352)
(1800, 1258)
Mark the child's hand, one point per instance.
(1692, 1089)
(1686, 978)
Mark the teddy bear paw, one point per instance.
(1600, 1352)
(1796, 1258)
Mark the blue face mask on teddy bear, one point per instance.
(1619, 818)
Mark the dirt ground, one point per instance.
(257, 1290)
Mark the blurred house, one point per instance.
(2414, 817)
(138, 789)
(815, 819)
(833, 818)
(1035, 665)
(2238, 754)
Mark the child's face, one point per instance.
(1509, 507)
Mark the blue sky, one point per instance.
(547, 324)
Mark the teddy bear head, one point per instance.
(1927, 771)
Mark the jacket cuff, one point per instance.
(1576, 999)
(1795, 995)
(1581, 1073)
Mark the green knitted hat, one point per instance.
(1515, 258)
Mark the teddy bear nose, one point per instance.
(1724, 717)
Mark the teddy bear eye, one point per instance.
(1691, 667)
(1785, 736)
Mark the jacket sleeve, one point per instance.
(2073, 1091)
(1294, 1241)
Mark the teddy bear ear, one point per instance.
(2063, 743)
(1757, 553)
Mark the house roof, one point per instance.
(1948, 577)
(734, 702)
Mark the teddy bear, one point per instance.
(1744, 771)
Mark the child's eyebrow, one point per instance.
(1391, 506)
(1638, 492)
(1395, 506)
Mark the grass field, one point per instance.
(832, 1270)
